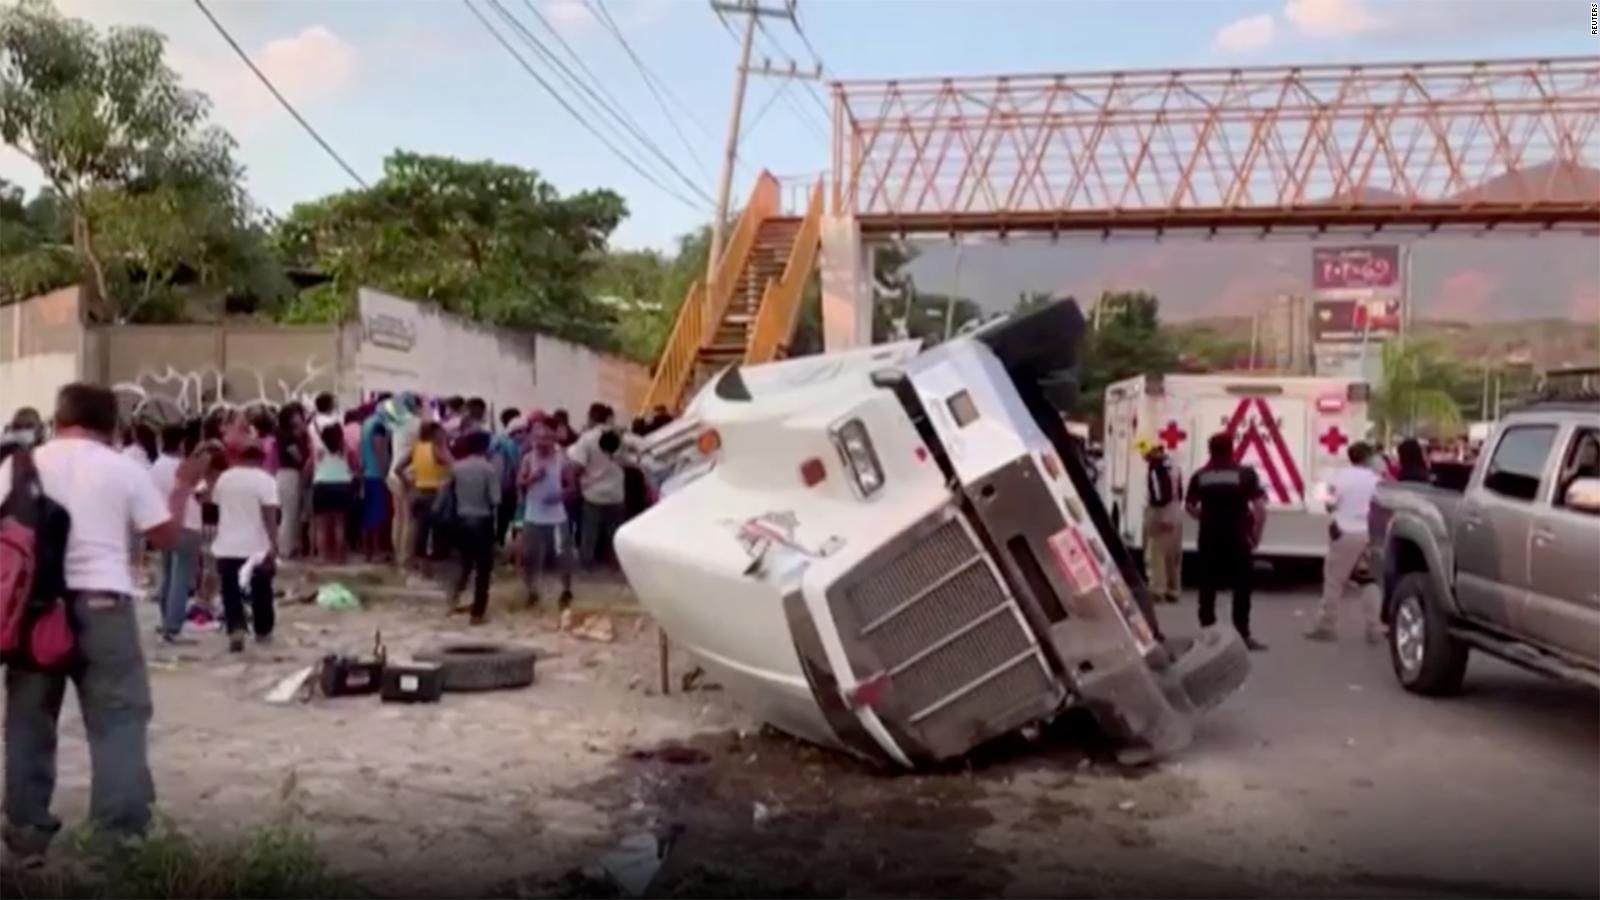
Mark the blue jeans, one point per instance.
(178, 568)
(114, 696)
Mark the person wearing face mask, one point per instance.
(25, 430)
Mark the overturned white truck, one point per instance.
(901, 553)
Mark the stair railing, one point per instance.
(783, 296)
(705, 305)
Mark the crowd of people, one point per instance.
(401, 479)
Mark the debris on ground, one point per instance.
(676, 754)
(634, 863)
(290, 686)
(694, 680)
(590, 626)
(336, 596)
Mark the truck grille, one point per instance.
(962, 664)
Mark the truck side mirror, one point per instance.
(1583, 495)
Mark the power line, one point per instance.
(650, 82)
(267, 82)
(799, 111)
(783, 53)
(556, 95)
(620, 116)
(756, 120)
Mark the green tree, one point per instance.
(652, 287)
(1125, 339)
(1415, 392)
(1028, 301)
(147, 190)
(35, 254)
(481, 239)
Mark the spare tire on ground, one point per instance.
(481, 665)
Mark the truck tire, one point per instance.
(1426, 657)
(1212, 667)
(481, 666)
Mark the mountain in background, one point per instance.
(1538, 344)
(1493, 276)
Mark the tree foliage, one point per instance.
(489, 241)
(648, 288)
(147, 189)
(1126, 339)
(1415, 391)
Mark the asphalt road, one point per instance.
(1493, 792)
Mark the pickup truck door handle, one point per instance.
(1544, 537)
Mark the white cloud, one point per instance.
(1334, 18)
(568, 15)
(1250, 33)
(308, 68)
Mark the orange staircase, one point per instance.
(748, 313)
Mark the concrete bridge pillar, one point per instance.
(846, 285)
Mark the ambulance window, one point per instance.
(962, 407)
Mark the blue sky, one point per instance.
(423, 75)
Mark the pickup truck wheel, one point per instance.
(1426, 658)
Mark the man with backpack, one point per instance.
(107, 496)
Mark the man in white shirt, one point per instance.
(178, 565)
(1350, 493)
(107, 496)
(247, 524)
(600, 481)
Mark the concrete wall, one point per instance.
(169, 372)
(41, 345)
(405, 345)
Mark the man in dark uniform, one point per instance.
(1232, 508)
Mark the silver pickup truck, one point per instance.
(1509, 566)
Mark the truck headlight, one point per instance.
(855, 447)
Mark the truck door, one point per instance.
(1122, 412)
(1562, 606)
(1495, 524)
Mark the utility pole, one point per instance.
(751, 10)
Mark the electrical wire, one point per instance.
(621, 117)
(777, 47)
(556, 96)
(799, 111)
(603, 14)
(282, 100)
(756, 119)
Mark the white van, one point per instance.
(1294, 430)
(900, 553)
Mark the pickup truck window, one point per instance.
(1582, 461)
(1518, 463)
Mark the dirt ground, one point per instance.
(532, 792)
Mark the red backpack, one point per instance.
(35, 624)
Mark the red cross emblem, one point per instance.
(1333, 439)
(1172, 435)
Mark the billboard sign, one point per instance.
(1351, 321)
(1356, 268)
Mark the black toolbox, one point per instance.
(412, 682)
(344, 676)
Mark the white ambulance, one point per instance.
(1293, 430)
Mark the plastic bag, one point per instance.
(334, 595)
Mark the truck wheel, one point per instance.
(482, 666)
(1426, 658)
(1212, 667)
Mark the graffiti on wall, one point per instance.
(167, 394)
